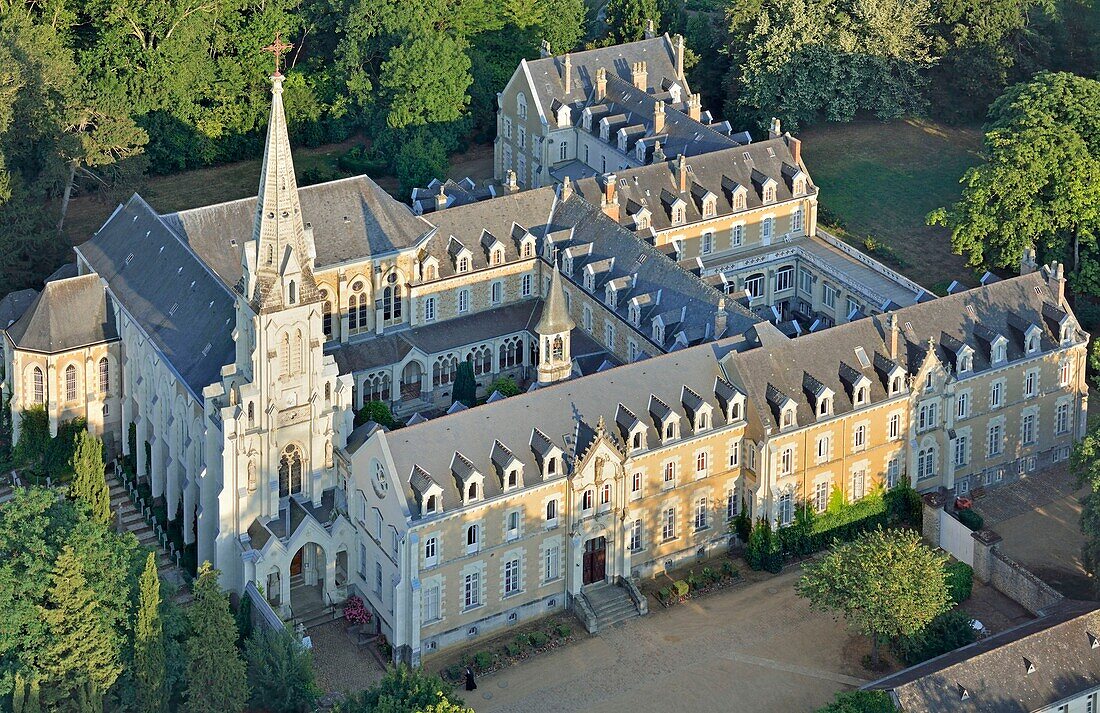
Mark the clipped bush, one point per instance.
(455, 672)
(512, 648)
(946, 632)
(728, 569)
(742, 525)
(483, 659)
(664, 594)
(693, 580)
(538, 639)
(971, 519)
(960, 581)
(681, 588)
(563, 630)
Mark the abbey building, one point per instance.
(687, 339)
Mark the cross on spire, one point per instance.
(277, 48)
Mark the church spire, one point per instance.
(283, 260)
(553, 328)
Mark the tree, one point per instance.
(150, 675)
(216, 681)
(1040, 184)
(280, 672)
(83, 657)
(89, 484)
(1084, 462)
(946, 632)
(377, 411)
(420, 158)
(405, 690)
(860, 702)
(886, 583)
(465, 388)
(425, 79)
(564, 25)
(627, 19)
(34, 438)
(505, 385)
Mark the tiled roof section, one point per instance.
(13, 305)
(420, 480)
(547, 73)
(68, 314)
(827, 355)
(657, 185)
(453, 193)
(531, 424)
(1027, 668)
(185, 309)
(659, 286)
(351, 219)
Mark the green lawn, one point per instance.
(881, 179)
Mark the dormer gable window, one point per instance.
(739, 200)
(735, 411)
(463, 264)
(589, 281)
(799, 186)
(609, 296)
(678, 214)
(658, 332)
(497, 256)
(788, 417)
(861, 395)
(769, 193)
(641, 220)
(999, 351)
(527, 247)
(1032, 340)
(896, 384)
(964, 362)
(825, 405)
(512, 479)
(702, 421)
(567, 264)
(710, 207)
(431, 504)
(634, 313)
(671, 429)
(471, 493)
(637, 440)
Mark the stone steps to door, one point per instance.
(611, 604)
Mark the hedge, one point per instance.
(946, 632)
(971, 519)
(960, 581)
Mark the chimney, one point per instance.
(795, 145)
(682, 170)
(510, 181)
(695, 106)
(638, 75)
(775, 131)
(544, 49)
(610, 202)
(567, 71)
(658, 153)
(1027, 262)
(566, 189)
(1058, 283)
(659, 118)
(650, 29)
(892, 335)
(440, 199)
(720, 318)
(601, 83)
(678, 50)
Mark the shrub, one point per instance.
(710, 576)
(506, 385)
(483, 659)
(563, 630)
(759, 544)
(742, 525)
(903, 504)
(664, 594)
(379, 412)
(860, 702)
(946, 632)
(681, 588)
(971, 519)
(960, 581)
(538, 639)
(455, 672)
(728, 569)
(512, 648)
(355, 611)
(693, 580)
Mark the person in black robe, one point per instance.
(471, 684)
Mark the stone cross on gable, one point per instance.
(277, 48)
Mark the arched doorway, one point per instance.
(307, 580)
(411, 379)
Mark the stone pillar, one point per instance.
(284, 592)
(157, 472)
(985, 541)
(330, 575)
(172, 486)
(189, 488)
(930, 520)
(142, 437)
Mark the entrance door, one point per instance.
(296, 564)
(595, 559)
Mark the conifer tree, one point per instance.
(216, 680)
(89, 484)
(149, 661)
(82, 660)
(465, 388)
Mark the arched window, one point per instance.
(70, 383)
(251, 414)
(739, 201)
(104, 375)
(552, 510)
(270, 254)
(464, 264)
(377, 387)
(432, 504)
(557, 353)
(39, 386)
(357, 307)
(328, 391)
(296, 355)
(326, 315)
(391, 299)
(284, 354)
(637, 440)
(563, 151)
(586, 500)
(471, 492)
(605, 494)
(511, 353)
(769, 194)
(482, 360)
(498, 257)
(444, 370)
(292, 293)
(290, 471)
(471, 536)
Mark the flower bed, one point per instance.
(696, 584)
(547, 636)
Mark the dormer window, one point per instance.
(641, 221)
(799, 186)
(552, 466)
(861, 396)
(497, 257)
(635, 314)
(567, 265)
(431, 505)
(735, 411)
(609, 296)
(966, 363)
(739, 200)
(702, 422)
(471, 492)
(528, 248)
(464, 264)
(513, 478)
(769, 194)
(895, 385)
(1033, 344)
(709, 208)
(430, 272)
(999, 353)
(678, 215)
(824, 406)
(788, 417)
(636, 440)
(658, 333)
(589, 281)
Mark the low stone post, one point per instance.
(933, 504)
(985, 541)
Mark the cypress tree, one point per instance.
(89, 484)
(465, 389)
(150, 673)
(216, 680)
(82, 658)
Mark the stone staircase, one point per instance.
(312, 612)
(129, 518)
(611, 604)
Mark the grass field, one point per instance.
(882, 179)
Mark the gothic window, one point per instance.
(769, 194)
(511, 352)
(391, 299)
(251, 414)
(328, 392)
(296, 354)
(290, 471)
(70, 383)
(357, 307)
(444, 370)
(270, 254)
(39, 386)
(104, 376)
(563, 151)
(284, 354)
(292, 292)
(377, 387)
(482, 360)
(557, 353)
(326, 314)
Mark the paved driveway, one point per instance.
(754, 648)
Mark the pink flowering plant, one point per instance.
(355, 611)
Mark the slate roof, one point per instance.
(992, 675)
(546, 73)
(829, 358)
(455, 193)
(68, 314)
(351, 220)
(180, 303)
(13, 305)
(717, 173)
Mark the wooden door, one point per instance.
(595, 560)
(296, 564)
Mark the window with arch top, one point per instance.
(104, 376)
(70, 383)
(290, 471)
(391, 299)
(586, 500)
(471, 491)
(39, 386)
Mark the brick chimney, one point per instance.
(610, 202)
(892, 335)
(639, 75)
(601, 83)
(544, 49)
(650, 29)
(567, 71)
(1058, 282)
(678, 50)
(775, 130)
(659, 118)
(795, 146)
(682, 171)
(695, 106)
